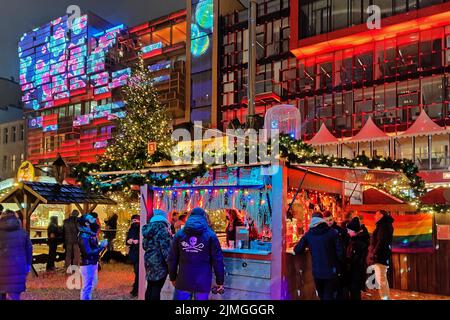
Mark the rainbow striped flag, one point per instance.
(413, 233)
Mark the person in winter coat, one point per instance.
(90, 250)
(16, 254)
(326, 253)
(53, 233)
(70, 235)
(344, 240)
(356, 256)
(194, 253)
(111, 226)
(380, 251)
(156, 237)
(133, 253)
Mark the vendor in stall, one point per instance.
(233, 221)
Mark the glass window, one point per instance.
(5, 135)
(408, 54)
(340, 16)
(432, 90)
(431, 49)
(13, 134)
(325, 79)
(62, 112)
(363, 67)
(77, 110)
(347, 67)
(385, 6)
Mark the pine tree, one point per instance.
(146, 121)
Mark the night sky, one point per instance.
(20, 16)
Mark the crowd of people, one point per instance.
(185, 249)
(341, 254)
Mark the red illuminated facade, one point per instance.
(321, 57)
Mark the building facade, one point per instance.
(12, 129)
(71, 78)
(322, 57)
(318, 55)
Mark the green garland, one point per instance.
(294, 151)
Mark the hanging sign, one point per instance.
(443, 231)
(206, 180)
(151, 148)
(226, 177)
(250, 176)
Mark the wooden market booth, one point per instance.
(420, 255)
(281, 203)
(29, 195)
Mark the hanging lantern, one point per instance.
(286, 118)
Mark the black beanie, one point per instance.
(354, 224)
(198, 212)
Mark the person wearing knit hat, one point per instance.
(326, 253)
(132, 242)
(156, 238)
(356, 257)
(194, 254)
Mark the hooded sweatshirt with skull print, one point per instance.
(194, 254)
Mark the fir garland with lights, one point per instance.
(294, 151)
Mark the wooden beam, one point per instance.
(376, 207)
(34, 206)
(79, 207)
(91, 209)
(34, 193)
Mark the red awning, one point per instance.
(370, 132)
(323, 137)
(356, 175)
(376, 196)
(437, 196)
(423, 126)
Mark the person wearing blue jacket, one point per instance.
(195, 252)
(90, 249)
(16, 254)
(326, 253)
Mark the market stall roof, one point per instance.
(50, 193)
(370, 132)
(323, 137)
(437, 196)
(353, 175)
(423, 126)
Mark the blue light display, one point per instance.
(55, 61)
(152, 47)
(200, 30)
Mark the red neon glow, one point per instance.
(366, 37)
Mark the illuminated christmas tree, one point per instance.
(146, 121)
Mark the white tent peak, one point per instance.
(370, 132)
(323, 137)
(423, 126)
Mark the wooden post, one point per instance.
(146, 213)
(278, 284)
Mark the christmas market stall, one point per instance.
(420, 246)
(274, 205)
(29, 195)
